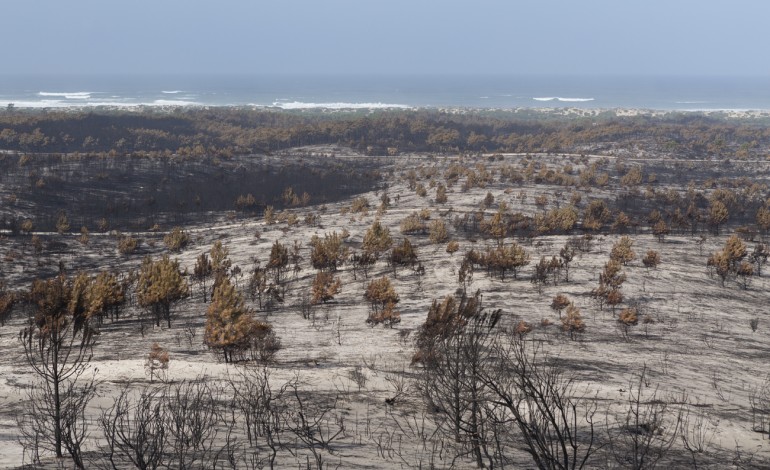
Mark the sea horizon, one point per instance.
(393, 91)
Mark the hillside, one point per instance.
(689, 357)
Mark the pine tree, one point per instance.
(377, 239)
(717, 214)
(651, 259)
(62, 223)
(220, 262)
(759, 256)
(58, 351)
(229, 326)
(735, 249)
(380, 292)
(437, 233)
(506, 258)
(572, 322)
(441, 194)
(403, 255)
(559, 303)
(176, 239)
(325, 287)
(7, 301)
(496, 227)
(720, 262)
(159, 286)
(622, 252)
(328, 253)
(106, 294)
(201, 272)
(763, 219)
(279, 260)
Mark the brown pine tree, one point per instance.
(160, 285)
(201, 272)
(437, 232)
(572, 322)
(325, 287)
(651, 259)
(230, 329)
(717, 215)
(377, 239)
(559, 303)
(622, 252)
(279, 260)
(176, 240)
(328, 253)
(379, 293)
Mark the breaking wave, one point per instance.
(53, 103)
(78, 95)
(172, 92)
(303, 105)
(559, 98)
(174, 103)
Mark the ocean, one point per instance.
(394, 91)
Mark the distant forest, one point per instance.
(141, 169)
(223, 132)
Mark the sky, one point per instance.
(526, 37)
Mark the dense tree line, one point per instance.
(231, 131)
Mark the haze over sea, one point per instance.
(393, 91)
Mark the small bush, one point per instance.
(412, 224)
(157, 362)
(441, 194)
(176, 239)
(127, 244)
(522, 328)
(438, 232)
(360, 205)
(628, 317)
(651, 259)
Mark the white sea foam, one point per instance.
(559, 98)
(78, 95)
(172, 92)
(175, 103)
(303, 105)
(51, 103)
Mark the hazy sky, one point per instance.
(700, 37)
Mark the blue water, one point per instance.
(300, 92)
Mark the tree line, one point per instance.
(232, 131)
